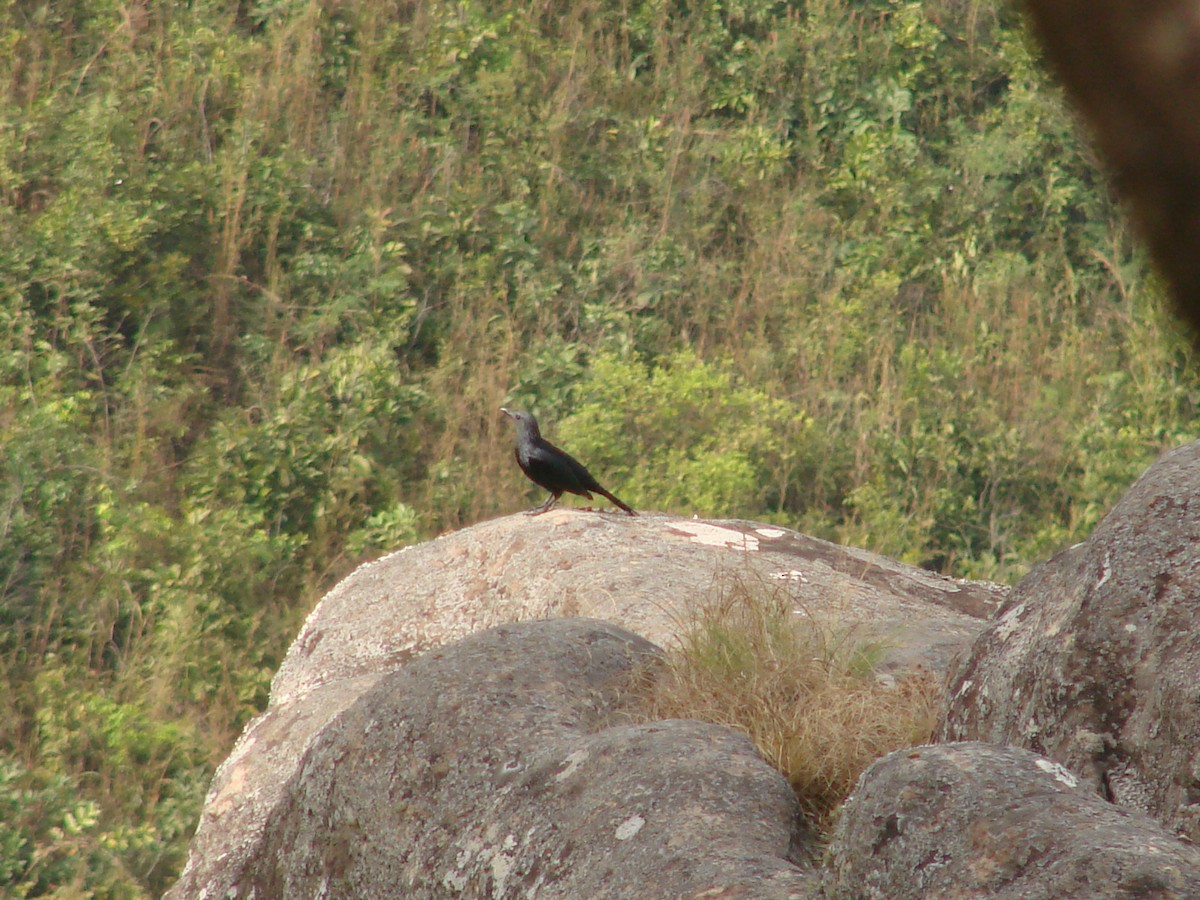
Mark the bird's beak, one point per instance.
(506, 411)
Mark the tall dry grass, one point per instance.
(804, 688)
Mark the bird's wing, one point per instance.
(548, 465)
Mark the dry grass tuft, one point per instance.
(805, 691)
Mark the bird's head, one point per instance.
(525, 420)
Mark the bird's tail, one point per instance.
(615, 500)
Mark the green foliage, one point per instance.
(148, 774)
(49, 837)
(268, 270)
(332, 436)
(48, 493)
(389, 529)
(685, 436)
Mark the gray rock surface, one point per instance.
(504, 766)
(1095, 659)
(977, 820)
(647, 574)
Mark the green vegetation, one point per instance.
(804, 691)
(267, 271)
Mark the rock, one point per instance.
(646, 574)
(505, 766)
(977, 820)
(1094, 660)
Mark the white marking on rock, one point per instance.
(1059, 773)
(502, 862)
(1105, 570)
(1010, 622)
(771, 532)
(790, 575)
(716, 535)
(630, 827)
(572, 763)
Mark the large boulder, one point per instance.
(1094, 660)
(976, 820)
(646, 574)
(505, 765)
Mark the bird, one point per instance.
(550, 467)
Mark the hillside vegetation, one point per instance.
(268, 270)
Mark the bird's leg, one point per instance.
(538, 510)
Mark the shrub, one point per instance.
(688, 436)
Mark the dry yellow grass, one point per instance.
(805, 691)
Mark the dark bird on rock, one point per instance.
(554, 469)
